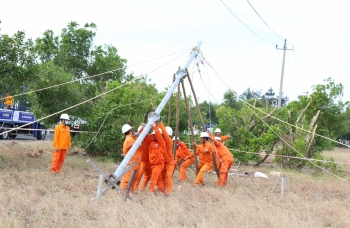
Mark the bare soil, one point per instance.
(33, 197)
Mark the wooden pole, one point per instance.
(201, 119)
(190, 123)
(177, 118)
(170, 105)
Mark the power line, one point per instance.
(265, 22)
(245, 24)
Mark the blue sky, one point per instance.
(143, 30)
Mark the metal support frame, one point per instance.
(111, 180)
(284, 180)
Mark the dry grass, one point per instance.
(33, 197)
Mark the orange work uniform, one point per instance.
(224, 160)
(169, 164)
(61, 142)
(182, 152)
(8, 101)
(145, 166)
(156, 158)
(204, 152)
(128, 143)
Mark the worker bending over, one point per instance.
(224, 137)
(204, 152)
(224, 160)
(182, 152)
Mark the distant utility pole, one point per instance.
(281, 83)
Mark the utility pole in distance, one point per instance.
(281, 82)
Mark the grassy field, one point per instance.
(33, 197)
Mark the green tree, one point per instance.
(18, 64)
(126, 104)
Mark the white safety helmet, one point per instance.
(160, 130)
(218, 139)
(64, 116)
(217, 130)
(176, 137)
(126, 128)
(169, 130)
(204, 135)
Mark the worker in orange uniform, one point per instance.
(182, 152)
(224, 159)
(224, 137)
(156, 158)
(145, 165)
(61, 144)
(169, 164)
(204, 152)
(128, 143)
(8, 101)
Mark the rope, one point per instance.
(92, 76)
(248, 105)
(102, 94)
(93, 139)
(282, 121)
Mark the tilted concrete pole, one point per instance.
(152, 118)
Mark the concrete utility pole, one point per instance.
(281, 82)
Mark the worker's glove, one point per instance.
(57, 150)
(229, 136)
(159, 120)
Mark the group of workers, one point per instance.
(154, 160)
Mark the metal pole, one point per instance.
(152, 118)
(190, 123)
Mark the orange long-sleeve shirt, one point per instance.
(224, 138)
(168, 155)
(221, 152)
(204, 152)
(62, 137)
(182, 152)
(128, 143)
(145, 148)
(156, 149)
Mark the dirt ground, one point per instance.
(33, 197)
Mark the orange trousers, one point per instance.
(224, 167)
(183, 168)
(58, 160)
(167, 176)
(125, 180)
(156, 178)
(145, 171)
(202, 169)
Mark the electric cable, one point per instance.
(96, 75)
(249, 106)
(278, 36)
(100, 95)
(244, 23)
